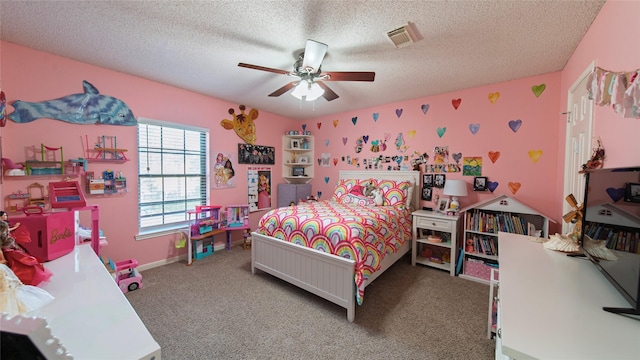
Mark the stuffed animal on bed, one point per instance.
(377, 197)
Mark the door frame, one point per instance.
(568, 150)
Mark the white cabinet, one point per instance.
(297, 158)
(434, 240)
(483, 221)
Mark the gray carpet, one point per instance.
(217, 309)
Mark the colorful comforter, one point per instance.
(361, 233)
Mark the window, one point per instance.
(172, 173)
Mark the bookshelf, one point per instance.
(483, 221)
(297, 159)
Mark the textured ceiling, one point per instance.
(197, 45)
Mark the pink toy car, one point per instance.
(126, 274)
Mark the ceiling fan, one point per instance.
(307, 68)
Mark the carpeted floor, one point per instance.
(217, 309)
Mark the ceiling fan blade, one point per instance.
(328, 93)
(257, 67)
(313, 54)
(350, 75)
(283, 89)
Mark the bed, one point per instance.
(280, 248)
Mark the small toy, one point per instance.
(126, 274)
(377, 197)
(469, 247)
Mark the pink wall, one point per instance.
(33, 75)
(515, 102)
(608, 44)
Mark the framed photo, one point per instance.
(297, 171)
(480, 183)
(438, 180)
(427, 180)
(443, 205)
(256, 154)
(632, 192)
(427, 193)
(303, 159)
(295, 143)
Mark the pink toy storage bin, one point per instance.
(477, 269)
(52, 234)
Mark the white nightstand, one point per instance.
(428, 226)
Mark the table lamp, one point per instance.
(455, 188)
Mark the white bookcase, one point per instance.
(297, 158)
(483, 221)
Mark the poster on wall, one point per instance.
(256, 154)
(224, 175)
(259, 182)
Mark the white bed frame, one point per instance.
(326, 275)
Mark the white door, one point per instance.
(579, 144)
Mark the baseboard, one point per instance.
(183, 257)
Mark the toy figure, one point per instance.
(469, 247)
(26, 267)
(264, 193)
(17, 298)
(5, 217)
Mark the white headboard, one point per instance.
(413, 176)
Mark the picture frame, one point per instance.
(427, 193)
(480, 183)
(295, 144)
(303, 159)
(438, 180)
(427, 180)
(297, 171)
(443, 205)
(256, 154)
(632, 192)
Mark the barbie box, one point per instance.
(52, 234)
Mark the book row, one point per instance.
(487, 245)
(493, 222)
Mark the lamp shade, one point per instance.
(455, 188)
(307, 90)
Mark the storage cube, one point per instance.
(52, 234)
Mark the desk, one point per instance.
(90, 315)
(551, 306)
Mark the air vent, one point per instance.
(402, 36)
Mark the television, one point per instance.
(611, 212)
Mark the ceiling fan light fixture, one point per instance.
(310, 91)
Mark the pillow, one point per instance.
(355, 199)
(394, 192)
(345, 186)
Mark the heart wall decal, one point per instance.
(493, 97)
(354, 120)
(326, 142)
(492, 185)
(535, 155)
(441, 131)
(304, 127)
(493, 156)
(515, 125)
(425, 108)
(538, 89)
(514, 187)
(335, 123)
(326, 179)
(411, 134)
(474, 128)
(319, 125)
(376, 116)
(344, 141)
(456, 103)
(398, 113)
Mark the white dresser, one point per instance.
(90, 315)
(550, 307)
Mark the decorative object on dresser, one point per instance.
(483, 221)
(435, 239)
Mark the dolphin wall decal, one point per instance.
(88, 108)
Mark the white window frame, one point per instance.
(170, 227)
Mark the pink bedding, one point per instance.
(361, 233)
